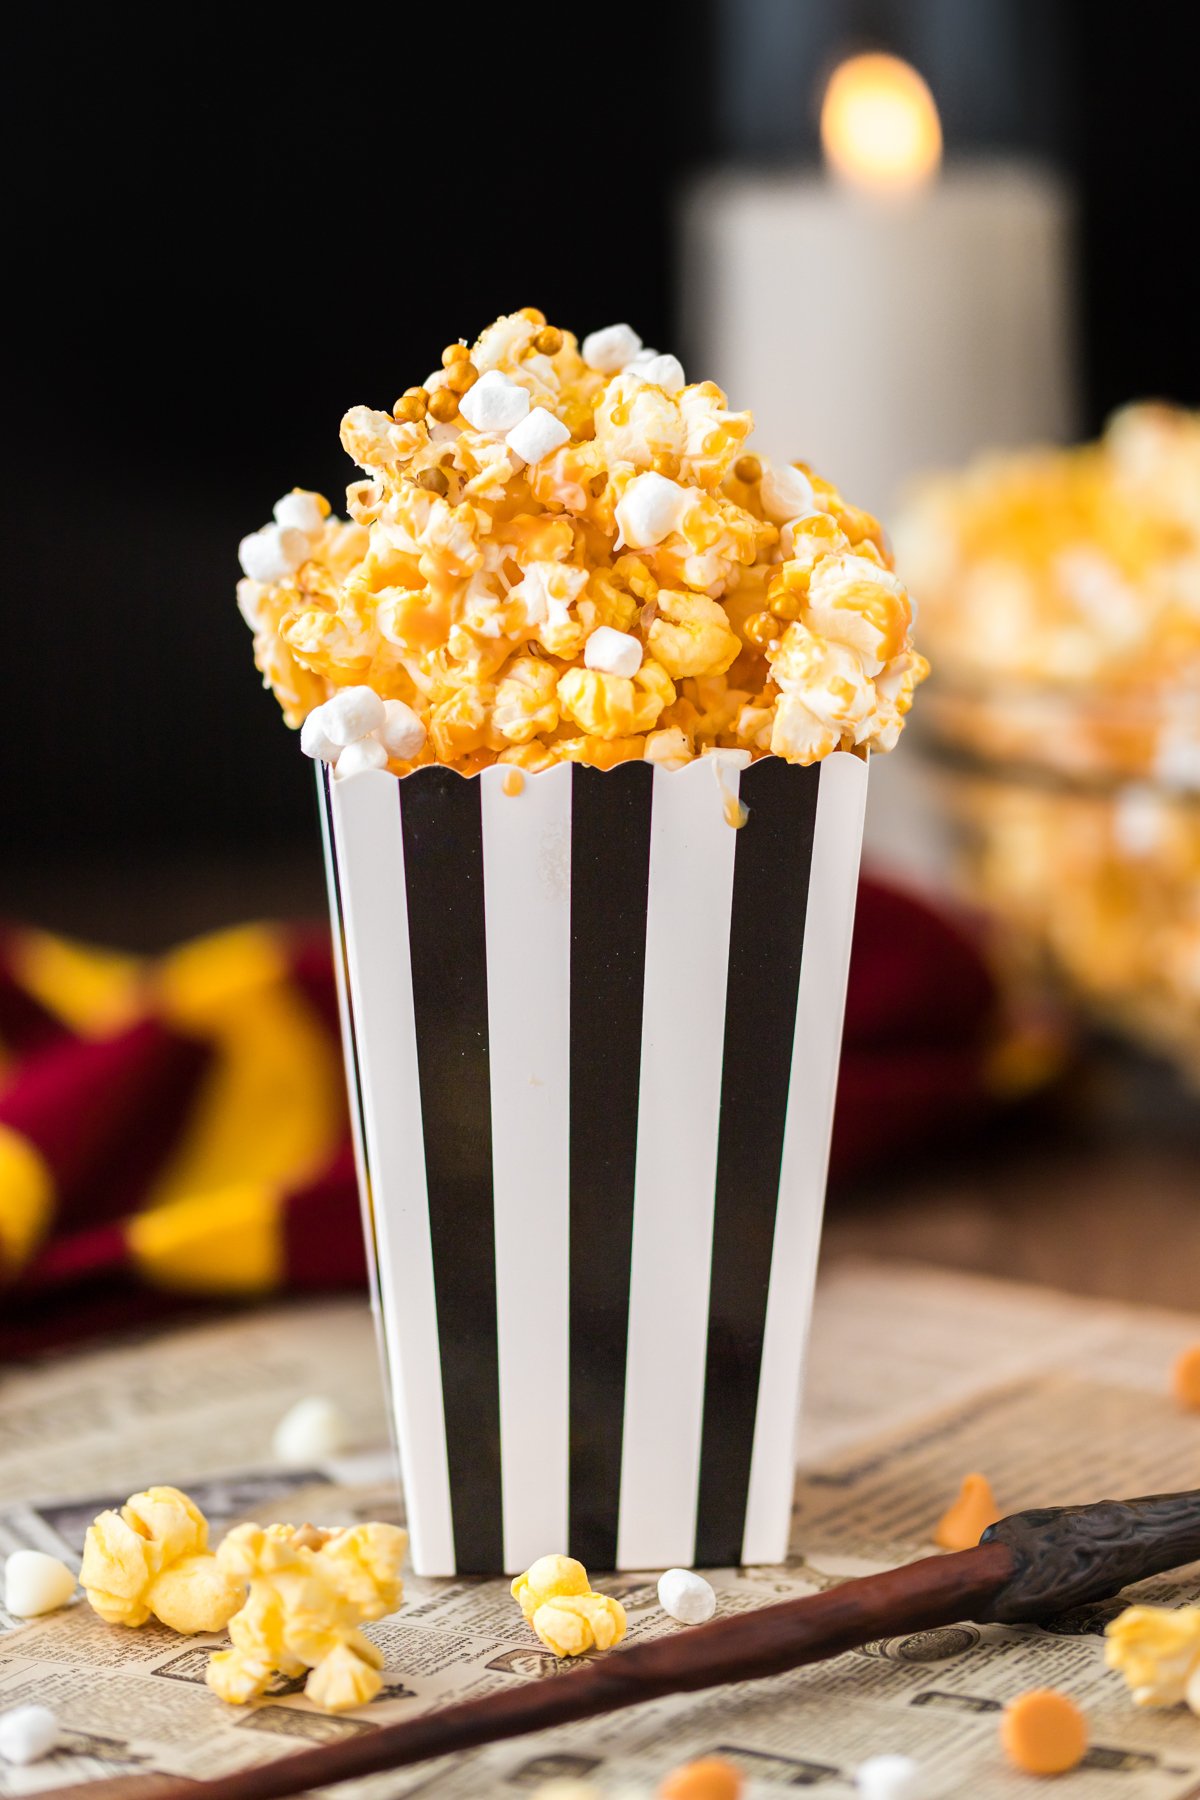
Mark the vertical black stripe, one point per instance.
(610, 867)
(443, 861)
(770, 899)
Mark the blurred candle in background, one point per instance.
(890, 313)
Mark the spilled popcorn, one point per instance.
(556, 1598)
(152, 1558)
(309, 1591)
(1157, 1650)
(561, 552)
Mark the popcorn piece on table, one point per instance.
(1157, 1650)
(309, 1591)
(1043, 1732)
(889, 1778)
(710, 1778)
(967, 1518)
(686, 1596)
(556, 1598)
(35, 1583)
(27, 1733)
(152, 1557)
(309, 1432)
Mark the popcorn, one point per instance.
(612, 652)
(556, 1598)
(309, 1592)
(686, 1596)
(611, 349)
(554, 558)
(152, 1557)
(495, 403)
(537, 436)
(35, 1583)
(1157, 1650)
(308, 1433)
(27, 1733)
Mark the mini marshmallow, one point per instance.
(612, 652)
(299, 511)
(537, 435)
(27, 1733)
(273, 553)
(611, 349)
(686, 1596)
(650, 509)
(664, 371)
(35, 1583)
(786, 493)
(357, 758)
(402, 733)
(314, 742)
(308, 1433)
(888, 1778)
(494, 403)
(350, 714)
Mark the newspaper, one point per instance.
(915, 1378)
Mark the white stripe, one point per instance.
(829, 926)
(683, 1022)
(527, 904)
(366, 814)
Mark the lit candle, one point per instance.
(891, 315)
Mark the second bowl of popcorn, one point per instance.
(591, 691)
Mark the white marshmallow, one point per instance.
(350, 714)
(35, 1583)
(300, 512)
(308, 1433)
(402, 733)
(889, 1778)
(611, 349)
(786, 493)
(612, 652)
(537, 435)
(664, 371)
(650, 510)
(27, 1733)
(313, 740)
(686, 1596)
(366, 753)
(272, 553)
(494, 403)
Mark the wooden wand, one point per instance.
(1027, 1567)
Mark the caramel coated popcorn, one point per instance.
(556, 1598)
(561, 553)
(309, 1591)
(1157, 1650)
(152, 1558)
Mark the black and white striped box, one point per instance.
(592, 1035)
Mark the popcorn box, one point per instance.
(592, 1035)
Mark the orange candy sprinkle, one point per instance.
(709, 1779)
(964, 1522)
(1185, 1378)
(1043, 1732)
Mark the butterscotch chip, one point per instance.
(1043, 1732)
(1185, 1378)
(711, 1778)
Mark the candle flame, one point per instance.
(879, 125)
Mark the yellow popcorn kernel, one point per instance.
(798, 735)
(1157, 1649)
(321, 641)
(806, 542)
(600, 753)
(462, 723)
(533, 758)
(342, 1680)
(193, 1594)
(366, 1560)
(526, 700)
(829, 677)
(639, 424)
(670, 748)
(852, 601)
(713, 436)
(691, 635)
(572, 1624)
(549, 1578)
(152, 1557)
(116, 1570)
(238, 1678)
(615, 706)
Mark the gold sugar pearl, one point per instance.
(549, 340)
(454, 353)
(532, 313)
(761, 629)
(435, 481)
(785, 606)
(460, 376)
(748, 469)
(443, 405)
(411, 405)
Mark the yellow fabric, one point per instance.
(26, 1198)
(229, 1241)
(92, 991)
(271, 1108)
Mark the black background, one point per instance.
(222, 236)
